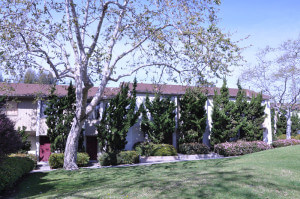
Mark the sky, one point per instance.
(266, 22)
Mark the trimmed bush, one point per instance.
(193, 148)
(163, 150)
(128, 157)
(281, 137)
(56, 160)
(124, 157)
(240, 148)
(296, 137)
(82, 159)
(283, 143)
(143, 148)
(12, 168)
(30, 156)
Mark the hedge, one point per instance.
(30, 156)
(283, 143)
(56, 160)
(124, 157)
(240, 148)
(13, 168)
(193, 148)
(163, 150)
(143, 148)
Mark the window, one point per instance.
(43, 108)
(11, 108)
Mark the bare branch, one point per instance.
(146, 65)
(70, 34)
(85, 20)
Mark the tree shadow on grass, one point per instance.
(172, 180)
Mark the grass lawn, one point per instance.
(269, 174)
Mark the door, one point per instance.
(45, 150)
(91, 147)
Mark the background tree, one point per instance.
(119, 115)
(79, 41)
(277, 74)
(295, 124)
(222, 120)
(31, 77)
(192, 121)
(160, 126)
(60, 113)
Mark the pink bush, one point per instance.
(282, 143)
(240, 147)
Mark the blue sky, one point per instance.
(267, 22)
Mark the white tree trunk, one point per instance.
(70, 158)
(288, 125)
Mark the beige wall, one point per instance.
(25, 115)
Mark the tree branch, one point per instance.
(76, 25)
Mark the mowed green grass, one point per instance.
(269, 174)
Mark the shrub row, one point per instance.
(150, 149)
(27, 155)
(240, 148)
(193, 148)
(12, 168)
(124, 157)
(283, 137)
(282, 143)
(56, 160)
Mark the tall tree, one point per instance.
(192, 121)
(161, 124)
(277, 74)
(222, 120)
(119, 115)
(92, 41)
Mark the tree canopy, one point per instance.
(277, 74)
(95, 42)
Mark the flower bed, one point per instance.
(240, 148)
(282, 143)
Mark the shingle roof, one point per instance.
(32, 90)
(180, 90)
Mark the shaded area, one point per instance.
(266, 174)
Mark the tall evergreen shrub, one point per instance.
(192, 121)
(281, 123)
(222, 120)
(119, 115)
(161, 124)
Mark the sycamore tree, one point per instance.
(94, 42)
(277, 74)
